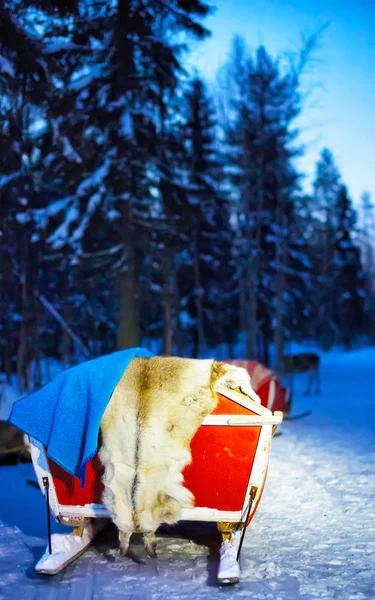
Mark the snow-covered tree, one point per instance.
(348, 277)
(367, 241)
(92, 132)
(110, 64)
(208, 277)
(264, 104)
(326, 189)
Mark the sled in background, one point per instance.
(230, 454)
(264, 382)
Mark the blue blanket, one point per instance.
(65, 414)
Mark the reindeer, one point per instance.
(304, 362)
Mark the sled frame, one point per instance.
(90, 519)
(263, 418)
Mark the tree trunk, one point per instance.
(178, 337)
(252, 310)
(279, 327)
(199, 337)
(168, 301)
(22, 366)
(129, 333)
(266, 337)
(7, 352)
(243, 310)
(252, 282)
(325, 307)
(36, 345)
(67, 347)
(279, 295)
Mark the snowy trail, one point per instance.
(312, 537)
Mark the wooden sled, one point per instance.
(230, 454)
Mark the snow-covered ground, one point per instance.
(313, 535)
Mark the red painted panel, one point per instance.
(222, 460)
(263, 393)
(218, 475)
(225, 406)
(68, 487)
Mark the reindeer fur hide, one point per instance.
(147, 428)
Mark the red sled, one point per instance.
(230, 455)
(264, 382)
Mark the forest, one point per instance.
(141, 206)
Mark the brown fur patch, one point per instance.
(147, 428)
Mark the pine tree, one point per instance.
(110, 66)
(300, 276)
(22, 79)
(210, 235)
(326, 189)
(349, 281)
(368, 257)
(265, 103)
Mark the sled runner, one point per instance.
(230, 454)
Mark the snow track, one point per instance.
(313, 535)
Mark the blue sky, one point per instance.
(340, 112)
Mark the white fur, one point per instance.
(238, 377)
(146, 438)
